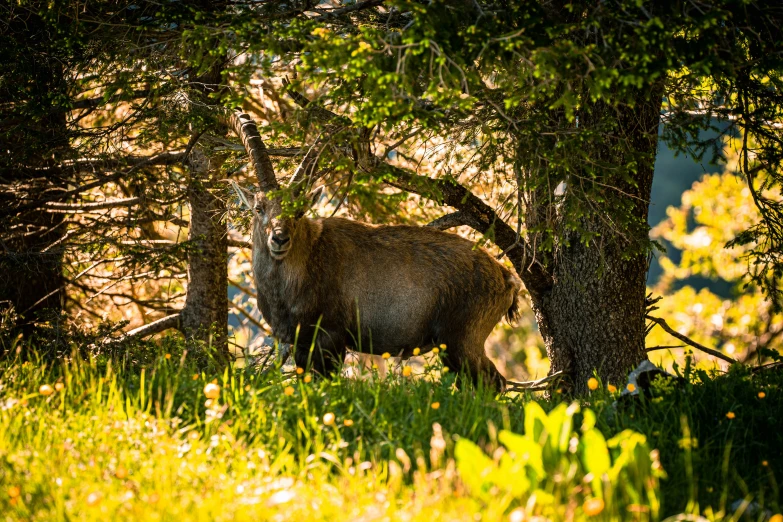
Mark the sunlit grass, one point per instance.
(168, 439)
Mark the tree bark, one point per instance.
(592, 316)
(31, 241)
(205, 314)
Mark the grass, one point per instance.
(139, 440)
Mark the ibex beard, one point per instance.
(335, 284)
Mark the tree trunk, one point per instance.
(205, 315)
(31, 242)
(591, 317)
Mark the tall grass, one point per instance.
(112, 438)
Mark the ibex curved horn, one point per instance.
(246, 129)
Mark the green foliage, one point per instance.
(556, 465)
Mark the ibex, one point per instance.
(375, 289)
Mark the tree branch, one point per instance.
(662, 323)
(239, 244)
(164, 158)
(171, 321)
(453, 220)
(482, 218)
(358, 6)
(127, 202)
(91, 103)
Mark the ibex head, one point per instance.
(271, 227)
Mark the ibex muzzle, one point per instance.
(376, 289)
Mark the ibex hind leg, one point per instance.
(475, 365)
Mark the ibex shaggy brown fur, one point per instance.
(376, 289)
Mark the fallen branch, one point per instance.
(166, 323)
(537, 385)
(715, 353)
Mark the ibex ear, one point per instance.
(245, 196)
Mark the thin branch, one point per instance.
(91, 103)
(715, 353)
(166, 323)
(165, 158)
(653, 348)
(358, 6)
(239, 244)
(86, 207)
(247, 316)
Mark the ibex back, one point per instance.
(377, 289)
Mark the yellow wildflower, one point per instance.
(195, 376)
(436, 351)
(14, 491)
(121, 472)
(593, 506)
(299, 371)
(416, 351)
(762, 395)
(212, 391)
(435, 405)
(329, 419)
(730, 415)
(443, 346)
(611, 388)
(308, 378)
(592, 383)
(289, 390)
(445, 369)
(348, 422)
(58, 386)
(406, 371)
(631, 387)
(45, 389)
(776, 518)
(386, 355)
(168, 356)
(93, 499)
